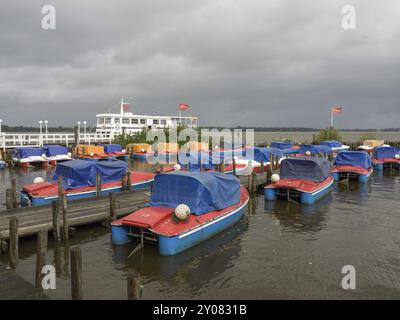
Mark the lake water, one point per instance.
(278, 250)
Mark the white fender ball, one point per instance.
(43, 155)
(308, 153)
(177, 167)
(275, 178)
(123, 151)
(142, 150)
(38, 180)
(182, 212)
(69, 154)
(92, 154)
(397, 156)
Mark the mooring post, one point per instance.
(14, 192)
(55, 209)
(129, 181)
(13, 243)
(76, 274)
(234, 166)
(9, 199)
(123, 182)
(60, 187)
(64, 208)
(41, 250)
(113, 206)
(254, 181)
(269, 173)
(133, 286)
(98, 184)
(250, 182)
(223, 166)
(262, 167)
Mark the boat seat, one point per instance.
(148, 217)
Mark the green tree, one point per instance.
(329, 134)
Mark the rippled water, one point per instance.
(278, 250)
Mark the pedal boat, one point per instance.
(302, 180)
(352, 165)
(30, 156)
(55, 154)
(386, 157)
(115, 151)
(215, 201)
(79, 181)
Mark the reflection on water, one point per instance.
(278, 250)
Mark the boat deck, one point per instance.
(80, 212)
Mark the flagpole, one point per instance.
(331, 117)
(180, 116)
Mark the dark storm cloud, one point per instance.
(252, 63)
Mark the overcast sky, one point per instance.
(249, 63)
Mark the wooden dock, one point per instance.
(80, 212)
(14, 287)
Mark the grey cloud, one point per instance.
(250, 63)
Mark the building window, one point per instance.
(117, 120)
(155, 121)
(135, 121)
(164, 122)
(107, 120)
(142, 121)
(100, 120)
(125, 121)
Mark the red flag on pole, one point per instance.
(125, 106)
(183, 107)
(337, 110)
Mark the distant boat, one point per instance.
(56, 153)
(335, 146)
(93, 153)
(79, 181)
(313, 150)
(116, 151)
(386, 157)
(30, 156)
(303, 180)
(352, 165)
(185, 209)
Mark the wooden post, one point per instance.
(98, 184)
(76, 274)
(201, 165)
(234, 166)
(13, 243)
(250, 182)
(262, 167)
(129, 181)
(9, 199)
(223, 166)
(14, 192)
(254, 181)
(64, 208)
(41, 250)
(60, 187)
(55, 209)
(133, 287)
(113, 206)
(123, 182)
(269, 174)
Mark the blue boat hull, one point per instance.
(362, 178)
(173, 245)
(2, 164)
(37, 201)
(306, 198)
(381, 166)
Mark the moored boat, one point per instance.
(313, 150)
(352, 165)
(185, 209)
(30, 156)
(115, 151)
(386, 157)
(336, 146)
(92, 153)
(370, 145)
(79, 181)
(303, 180)
(56, 153)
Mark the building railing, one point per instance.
(12, 140)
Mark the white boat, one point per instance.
(111, 124)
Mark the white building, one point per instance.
(116, 123)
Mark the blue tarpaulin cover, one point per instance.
(192, 160)
(313, 169)
(385, 152)
(281, 145)
(26, 152)
(55, 150)
(202, 192)
(111, 148)
(82, 173)
(257, 154)
(353, 158)
(332, 144)
(314, 149)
